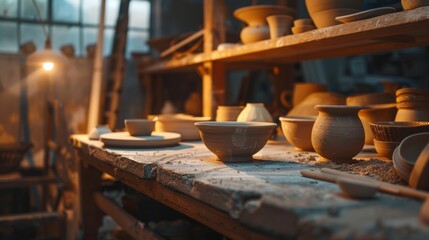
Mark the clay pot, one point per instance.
(235, 141)
(376, 113)
(385, 149)
(279, 25)
(228, 113)
(412, 4)
(397, 131)
(327, 18)
(410, 115)
(338, 132)
(297, 131)
(254, 112)
(314, 6)
(255, 17)
(370, 99)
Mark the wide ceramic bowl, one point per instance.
(326, 18)
(314, 6)
(297, 131)
(139, 127)
(254, 15)
(235, 141)
(397, 131)
(180, 123)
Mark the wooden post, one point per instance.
(213, 74)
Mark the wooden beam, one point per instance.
(182, 43)
(28, 182)
(132, 226)
(29, 217)
(214, 27)
(213, 87)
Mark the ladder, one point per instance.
(116, 70)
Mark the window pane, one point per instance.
(8, 8)
(136, 42)
(8, 38)
(34, 33)
(91, 11)
(66, 10)
(90, 37)
(29, 11)
(112, 10)
(139, 14)
(64, 36)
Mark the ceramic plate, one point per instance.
(365, 14)
(123, 139)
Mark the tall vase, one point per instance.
(254, 112)
(338, 132)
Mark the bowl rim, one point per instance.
(265, 6)
(298, 119)
(138, 120)
(233, 124)
(402, 124)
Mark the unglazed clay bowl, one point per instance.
(303, 28)
(402, 168)
(180, 123)
(235, 141)
(297, 131)
(397, 131)
(376, 113)
(385, 149)
(303, 22)
(314, 6)
(228, 113)
(327, 18)
(412, 4)
(255, 15)
(411, 147)
(139, 127)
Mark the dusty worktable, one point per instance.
(266, 198)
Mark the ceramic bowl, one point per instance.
(412, 4)
(411, 147)
(297, 131)
(314, 6)
(139, 127)
(180, 123)
(327, 18)
(235, 141)
(303, 28)
(402, 168)
(385, 149)
(303, 22)
(254, 15)
(370, 99)
(376, 113)
(397, 131)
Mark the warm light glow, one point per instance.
(48, 66)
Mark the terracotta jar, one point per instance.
(338, 132)
(254, 112)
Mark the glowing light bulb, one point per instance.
(48, 66)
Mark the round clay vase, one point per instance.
(256, 33)
(254, 112)
(338, 132)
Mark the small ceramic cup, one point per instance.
(139, 127)
(279, 25)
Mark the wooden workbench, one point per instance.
(263, 199)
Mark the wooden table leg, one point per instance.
(90, 182)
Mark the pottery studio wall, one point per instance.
(72, 89)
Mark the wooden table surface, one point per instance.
(264, 198)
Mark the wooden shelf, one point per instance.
(388, 32)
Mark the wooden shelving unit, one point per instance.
(388, 32)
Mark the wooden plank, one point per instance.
(28, 182)
(182, 43)
(29, 218)
(214, 27)
(320, 43)
(213, 87)
(132, 226)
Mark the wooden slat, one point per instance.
(28, 181)
(132, 226)
(383, 33)
(29, 217)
